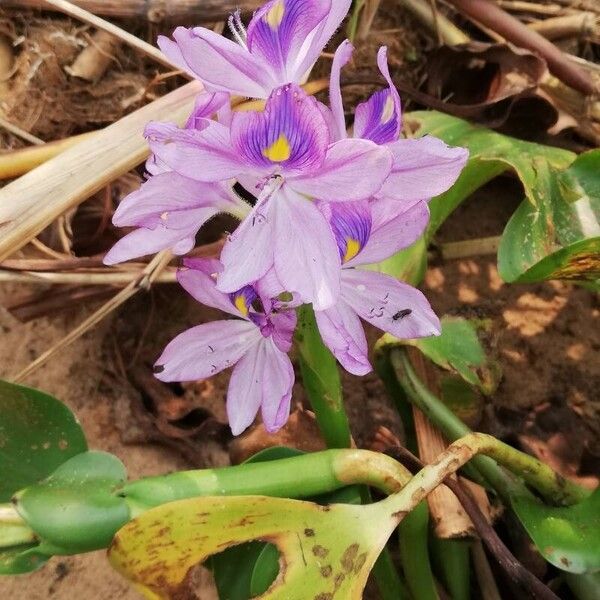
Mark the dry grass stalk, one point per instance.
(436, 22)
(101, 277)
(36, 199)
(70, 9)
(155, 10)
(141, 281)
(531, 7)
(93, 60)
(17, 162)
(449, 517)
(24, 135)
(578, 25)
(483, 571)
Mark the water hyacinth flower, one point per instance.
(282, 43)
(422, 167)
(286, 149)
(169, 209)
(255, 344)
(367, 233)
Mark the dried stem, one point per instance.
(492, 16)
(154, 10)
(437, 23)
(72, 10)
(36, 199)
(495, 545)
(142, 281)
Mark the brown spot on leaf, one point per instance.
(339, 579)
(326, 571)
(324, 596)
(360, 561)
(309, 532)
(348, 557)
(320, 551)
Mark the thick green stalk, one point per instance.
(321, 379)
(552, 486)
(413, 534)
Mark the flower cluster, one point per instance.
(326, 204)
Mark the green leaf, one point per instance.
(459, 350)
(569, 537)
(77, 508)
(37, 434)
(21, 559)
(554, 234)
(321, 379)
(559, 237)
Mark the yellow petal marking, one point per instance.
(240, 304)
(279, 150)
(352, 249)
(388, 110)
(275, 15)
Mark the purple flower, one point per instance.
(367, 233)
(287, 149)
(169, 208)
(282, 43)
(255, 344)
(422, 167)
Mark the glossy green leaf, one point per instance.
(567, 537)
(459, 350)
(554, 234)
(77, 508)
(37, 434)
(321, 379)
(21, 559)
(559, 237)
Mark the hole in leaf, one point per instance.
(246, 570)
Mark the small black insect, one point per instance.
(401, 314)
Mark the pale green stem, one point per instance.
(554, 487)
(14, 531)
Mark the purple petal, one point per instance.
(245, 392)
(222, 65)
(206, 349)
(306, 256)
(379, 118)
(204, 155)
(205, 107)
(341, 57)
(351, 225)
(314, 44)
(343, 334)
(392, 231)
(352, 170)
(172, 51)
(144, 241)
(248, 251)
(202, 286)
(279, 30)
(290, 133)
(277, 383)
(388, 304)
(423, 168)
(284, 324)
(167, 193)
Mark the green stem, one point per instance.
(321, 379)
(413, 533)
(552, 486)
(14, 531)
